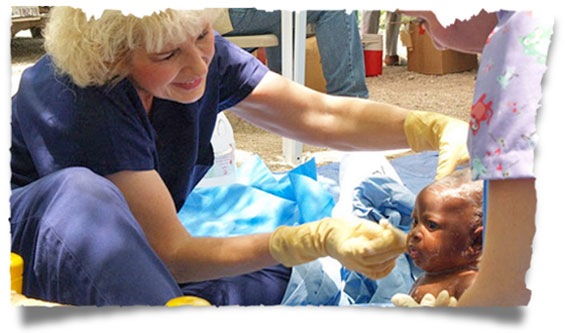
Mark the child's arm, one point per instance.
(507, 252)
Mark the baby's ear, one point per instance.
(478, 239)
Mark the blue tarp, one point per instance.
(259, 202)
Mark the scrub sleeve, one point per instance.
(502, 133)
(79, 241)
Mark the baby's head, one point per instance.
(447, 229)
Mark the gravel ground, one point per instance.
(450, 94)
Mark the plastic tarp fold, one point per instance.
(259, 201)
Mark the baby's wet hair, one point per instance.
(459, 184)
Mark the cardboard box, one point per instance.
(424, 58)
(314, 77)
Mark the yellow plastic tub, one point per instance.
(16, 272)
(188, 300)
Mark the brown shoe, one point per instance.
(392, 60)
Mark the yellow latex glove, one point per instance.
(434, 131)
(360, 245)
(443, 299)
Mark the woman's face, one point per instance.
(177, 73)
(441, 237)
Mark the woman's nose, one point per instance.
(195, 63)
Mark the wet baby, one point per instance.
(445, 240)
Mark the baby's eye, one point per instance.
(414, 222)
(432, 225)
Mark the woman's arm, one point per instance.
(188, 258)
(364, 246)
(510, 229)
(344, 123)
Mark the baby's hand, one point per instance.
(443, 299)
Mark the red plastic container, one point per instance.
(373, 54)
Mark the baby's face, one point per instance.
(441, 237)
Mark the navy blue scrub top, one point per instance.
(56, 124)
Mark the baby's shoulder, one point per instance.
(464, 280)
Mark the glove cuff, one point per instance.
(421, 128)
(297, 245)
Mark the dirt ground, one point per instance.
(450, 94)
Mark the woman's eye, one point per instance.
(169, 55)
(164, 56)
(203, 34)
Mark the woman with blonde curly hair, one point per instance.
(111, 131)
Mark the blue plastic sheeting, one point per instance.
(379, 197)
(312, 284)
(328, 176)
(258, 202)
(358, 289)
(417, 170)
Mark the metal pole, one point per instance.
(292, 150)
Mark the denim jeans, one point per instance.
(339, 44)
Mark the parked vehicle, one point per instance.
(29, 17)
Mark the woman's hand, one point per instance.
(434, 131)
(360, 245)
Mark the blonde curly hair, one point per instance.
(98, 51)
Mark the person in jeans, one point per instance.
(337, 35)
(370, 25)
